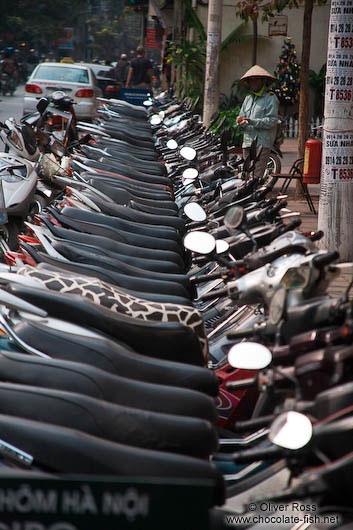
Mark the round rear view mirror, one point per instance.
(188, 153)
(172, 144)
(190, 173)
(155, 120)
(200, 242)
(221, 246)
(194, 211)
(249, 356)
(291, 430)
(234, 217)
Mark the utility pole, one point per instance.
(214, 33)
(336, 194)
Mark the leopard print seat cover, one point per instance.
(109, 296)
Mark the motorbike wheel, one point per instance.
(274, 165)
(11, 230)
(38, 205)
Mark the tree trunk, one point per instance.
(336, 194)
(214, 32)
(177, 38)
(254, 41)
(304, 87)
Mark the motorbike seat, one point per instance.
(107, 295)
(112, 144)
(148, 242)
(115, 357)
(86, 379)
(165, 340)
(129, 214)
(159, 198)
(128, 224)
(65, 450)
(117, 423)
(91, 255)
(49, 263)
(118, 247)
(148, 285)
(127, 171)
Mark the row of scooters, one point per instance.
(163, 319)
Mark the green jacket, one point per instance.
(263, 113)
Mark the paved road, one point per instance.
(11, 106)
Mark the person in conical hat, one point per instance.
(258, 116)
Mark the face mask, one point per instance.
(260, 92)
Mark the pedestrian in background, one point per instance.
(140, 71)
(121, 69)
(258, 115)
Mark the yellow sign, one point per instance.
(67, 60)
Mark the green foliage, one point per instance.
(234, 134)
(188, 59)
(193, 20)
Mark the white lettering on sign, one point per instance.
(131, 504)
(26, 500)
(79, 501)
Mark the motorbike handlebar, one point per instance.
(216, 293)
(316, 236)
(255, 423)
(242, 334)
(207, 277)
(325, 259)
(253, 455)
(291, 226)
(242, 384)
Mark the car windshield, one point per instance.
(58, 73)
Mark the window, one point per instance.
(58, 73)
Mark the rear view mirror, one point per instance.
(200, 242)
(42, 105)
(221, 246)
(155, 120)
(291, 430)
(190, 173)
(172, 144)
(147, 103)
(194, 211)
(234, 217)
(249, 356)
(188, 153)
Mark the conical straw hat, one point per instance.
(256, 71)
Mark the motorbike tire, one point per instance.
(39, 204)
(11, 230)
(274, 165)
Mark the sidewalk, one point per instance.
(309, 220)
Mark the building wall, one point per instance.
(237, 59)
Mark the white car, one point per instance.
(76, 80)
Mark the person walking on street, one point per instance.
(121, 69)
(140, 71)
(258, 115)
